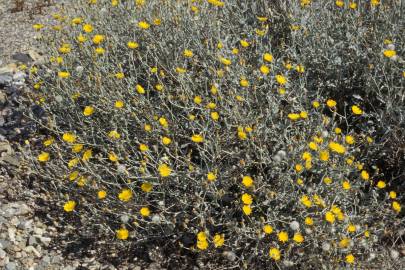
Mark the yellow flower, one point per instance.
(69, 137)
(351, 228)
(247, 210)
(298, 168)
(264, 69)
(235, 51)
(119, 104)
(219, 240)
(202, 244)
(132, 44)
(346, 185)
(146, 187)
(293, 116)
(306, 201)
(247, 181)
(281, 79)
(77, 21)
(114, 3)
(216, 3)
(163, 122)
(304, 115)
(73, 162)
(187, 53)
(344, 243)
(349, 139)
(101, 194)
(331, 103)
(274, 253)
(244, 83)
(356, 110)
(225, 61)
(69, 206)
(353, 5)
(180, 70)
(327, 180)
(145, 212)
(300, 68)
(48, 141)
(381, 184)
(267, 229)
(247, 199)
(87, 155)
(197, 138)
(38, 26)
(143, 25)
(73, 175)
(324, 155)
(298, 238)
(113, 157)
(88, 110)
(119, 75)
(99, 50)
(396, 206)
(159, 87)
(330, 217)
(122, 234)
(393, 195)
(315, 104)
(166, 140)
(43, 157)
(143, 147)
(389, 53)
(139, 2)
(268, 57)
(164, 170)
(125, 195)
(375, 3)
(313, 146)
(336, 147)
(88, 28)
(157, 21)
(81, 38)
(350, 258)
(309, 221)
(244, 43)
(63, 74)
(211, 176)
(340, 3)
(211, 105)
(282, 236)
(140, 89)
(113, 134)
(147, 127)
(215, 116)
(97, 39)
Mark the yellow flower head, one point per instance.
(145, 212)
(197, 138)
(164, 170)
(88, 28)
(211, 176)
(282, 236)
(132, 45)
(247, 181)
(275, 254)
(267, 229)
(143, 25)
(69, 206)
(268, 57)
(119, 104)
(43, 157)
(356, 110)
(125, 195)
(281, 79)
(122, 234)
(247, 210)
(101, 194)
(146, 187)
(331, 103)
(187, 53)
(219, 240)
(247, 199)
(298, 238)
(69, 137)
(88, 110)
(97, 39)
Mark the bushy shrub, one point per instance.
(224, 128)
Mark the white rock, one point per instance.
(325, 246)
(294, 225)
(394, 254)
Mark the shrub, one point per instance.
(216, 128)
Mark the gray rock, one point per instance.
(19, 76)
(5, 79)
(2, 254)
(46, 240)
(22, 58)
(32, 240)
(12, 160)
(11, 266)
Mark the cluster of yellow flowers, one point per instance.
(145, 128)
